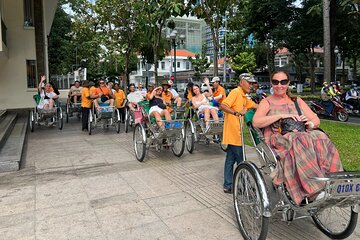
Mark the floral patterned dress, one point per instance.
(302, 155)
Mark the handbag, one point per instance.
(103, 97)
(289, 124)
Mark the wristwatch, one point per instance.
(235, 113)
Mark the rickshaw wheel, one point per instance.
(117, 120)
(336, 222)
(139, 139)
(127, 120)
(32, 121)
(59, 117)
(189, 138)
(178, 145)
(248, 203)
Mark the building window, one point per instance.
(28, 13)
(162, 65)
(187, 65)
(178, 65)
(283, 61)
(31, 74)
(277, 62)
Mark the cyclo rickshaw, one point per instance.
(105, 116)
(72, 108)
(45, 117)
(195, 130)
(146, 135)
(257, 199)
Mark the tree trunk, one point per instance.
(327, 40)
(214, 33)
(332, 38)
(312, 70)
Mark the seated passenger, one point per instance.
(120, 98)
(134, 97)
(75, 93)
(303, 154)
(151, 88)
(201, 103)
(168, 96)
(103, 95)
(158, 107)
(219, 92)
(176, 96)
(141, 90)
(47, 95)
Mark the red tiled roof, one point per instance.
(221, 60)
(285, 50)
(182, 53)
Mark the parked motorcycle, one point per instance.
(339, 111)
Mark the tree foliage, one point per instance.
(200, 64)
(213, 13)
(243, 63)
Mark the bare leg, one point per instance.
(206, 116)
(51, 103)
(75, 99)
(167, 115)
(214, 115)
(132, 106)
(178, 102)
(157, 116)
(111, 102)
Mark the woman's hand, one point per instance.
(293, 116)
(43, 78)
(206, 81)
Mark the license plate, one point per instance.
(346, 188)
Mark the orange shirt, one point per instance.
(92, 90)
(119, 97)
(220, 90)
(237, 101)
(167, 96)
(103, 90)
(148, 96)
(189, 95)
(85, 98)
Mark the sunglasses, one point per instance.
(282, 82)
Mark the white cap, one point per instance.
(215, 79)
(248, 77)
(170, 82)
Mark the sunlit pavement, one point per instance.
(76, 186)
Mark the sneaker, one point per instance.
(320, 196)
(228, 190)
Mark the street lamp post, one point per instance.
(175, 40)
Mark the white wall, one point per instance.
(21, 46)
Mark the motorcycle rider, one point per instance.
(353, 98)
(326, 96)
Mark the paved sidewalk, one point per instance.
(76, 186)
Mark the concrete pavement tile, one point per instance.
(202, 224)
(17, 200)
(149, 183)
(122, 208)
(60, 193)
(114, 200)
(173, 205)
(63, 210)
(156, 230)
(80, 226)
(54, 162)
(112, 224)
(20, 231)
(105, 186)
(16, 219)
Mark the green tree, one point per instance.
(200, 64)
(243, 62)
(156, 14)
(60, 43)
(213, 12)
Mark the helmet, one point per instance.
(354, 85)
(325, 84)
